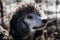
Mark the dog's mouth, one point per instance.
(38, 27)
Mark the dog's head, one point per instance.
(26, 19)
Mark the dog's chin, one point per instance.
(35, 28)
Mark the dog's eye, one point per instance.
(29, 17)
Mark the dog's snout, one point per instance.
(44, 20)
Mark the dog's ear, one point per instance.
(18, 28)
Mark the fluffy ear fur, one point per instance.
(18, 28)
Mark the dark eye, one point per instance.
(29, 17)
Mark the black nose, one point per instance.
(44, 20)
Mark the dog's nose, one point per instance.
(44, 20)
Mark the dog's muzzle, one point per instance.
(44, 21)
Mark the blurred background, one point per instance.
(50, 7)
